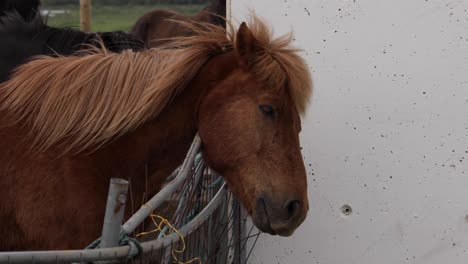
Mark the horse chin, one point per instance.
(264, 225)
(286, 233)
(261, 221)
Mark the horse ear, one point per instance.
(246, 45)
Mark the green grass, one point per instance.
(112, 18)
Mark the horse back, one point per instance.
(156, 27)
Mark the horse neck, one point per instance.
(152, 152)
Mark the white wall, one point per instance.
(387, 132)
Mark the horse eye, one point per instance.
(267, 110)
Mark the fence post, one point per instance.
(85, 15)
(114, 213)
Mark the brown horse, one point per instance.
(159, 26)
(69, 124)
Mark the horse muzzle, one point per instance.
(279, 216)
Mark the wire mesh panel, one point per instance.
(221, 238)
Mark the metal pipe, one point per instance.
(236, 231)
(64, 255)
(115, 209)
(242, 233)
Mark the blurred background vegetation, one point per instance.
(111, 15)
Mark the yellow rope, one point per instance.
(159, 228)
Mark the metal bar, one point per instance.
(65, 255)
(166, 192)
(242, 224)
(115, 209)
(211, 235)
(236, 231)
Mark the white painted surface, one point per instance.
(387, 132)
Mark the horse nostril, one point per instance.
(293, 207)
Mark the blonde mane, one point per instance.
(94, 97)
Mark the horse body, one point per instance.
(69, 124)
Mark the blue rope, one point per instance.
(215, 182)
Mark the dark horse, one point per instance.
(27, 9)
(70, 123)
(21, 39)
(157, 27)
